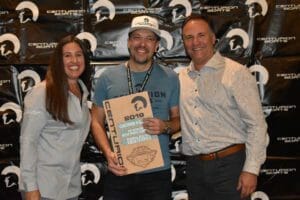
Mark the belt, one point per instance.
(221, 153)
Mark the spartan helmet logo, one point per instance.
(139, 103)
(11, 112)
(252, 5)
(175, 144)
(99, 9)
(173, 173)
(5, 44)
(239, 39)
(28, 80)
(89, 174)
(177, 13)
(259, 195)
(90, 38)
(12, 176)
(181, 195)
(30, 6)
(262, 78)
(168, 39)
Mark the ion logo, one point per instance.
(166, 36)
(139, 103)
(180, 195)
(11, 113)
(5, 41)
(12, 176)
(96, 8)
(252, 11)
(89, 174)
(235, 36)
(176, 14)
(90, 38)
(30, 6)
(262, 78)
(259, 195)
(28, 79)
(173, 173)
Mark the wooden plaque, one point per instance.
(135, 149)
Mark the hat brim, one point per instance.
(157, 32)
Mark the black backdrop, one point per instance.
(261, 34)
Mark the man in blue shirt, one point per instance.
(140, 73)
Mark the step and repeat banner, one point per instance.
(263, 35)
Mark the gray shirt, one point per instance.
(220, 106)
(50, 149)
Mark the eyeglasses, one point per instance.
(138, 38)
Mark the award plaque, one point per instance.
(135, 149)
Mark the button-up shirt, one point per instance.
(220, 106)
(50, 149)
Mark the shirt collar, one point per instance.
(215, 62)
(84, 89)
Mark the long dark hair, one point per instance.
(56, 80)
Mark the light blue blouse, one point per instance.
(50, 149)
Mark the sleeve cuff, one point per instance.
(251, 168)
(30, 187)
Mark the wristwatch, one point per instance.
(167, 129)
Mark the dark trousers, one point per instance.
(150, 186)
(214, 179)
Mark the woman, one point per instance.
(55, 125)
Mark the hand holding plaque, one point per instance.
(135, 149)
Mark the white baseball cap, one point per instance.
(145, 22)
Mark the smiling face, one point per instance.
(142, 45)
(198, 41)
(73, 60)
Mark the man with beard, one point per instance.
(140, 73)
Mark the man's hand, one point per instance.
(153, 126)
(247, 184)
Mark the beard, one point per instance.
(141, 60)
